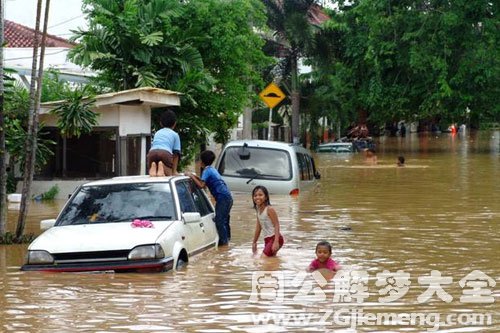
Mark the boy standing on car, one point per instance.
(212, 179)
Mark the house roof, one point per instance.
(153, 97)
(17, 35)
(317, 16)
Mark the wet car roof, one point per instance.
(133, 179)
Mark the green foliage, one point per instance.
(75, 116)
(133, 43)
(10, 238)
(206, 49)
(53, 88)
(16, 137)
(294, 37)
(16, 102)
(402, 60)
(16, 119)
(51, 193)
(11, 182)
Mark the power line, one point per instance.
(30, 57)
(68, 20)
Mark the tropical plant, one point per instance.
(207, 50)
(223, 32)
(133, 43)
(51, 193)
(399, 60)
(31, 138)
(16, 137)
(3, 153)
(293, 37)
(74, 115)
(53, 88)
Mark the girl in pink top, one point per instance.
(267, 223)
(323, 260)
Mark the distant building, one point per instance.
(18, 53)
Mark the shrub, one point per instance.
(50, 194)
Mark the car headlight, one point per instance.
(39, 257)
(153, 251)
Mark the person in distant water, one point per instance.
(163, 157)
(323, 258)
(267, 223)
(360, 131)
(212, 179)
(401, 161)
(402, 130)
(370, 156)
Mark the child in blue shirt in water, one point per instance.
(212, 179)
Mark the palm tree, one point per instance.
(75, 116)
(3, 152)
(31, 141)
(293, 35)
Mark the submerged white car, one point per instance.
(133, 223)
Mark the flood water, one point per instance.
(439, 215)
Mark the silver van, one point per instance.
(283, 168)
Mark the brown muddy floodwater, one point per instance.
(431, 227)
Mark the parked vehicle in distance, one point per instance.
(362, 144)
(336, 147)
(283, 168)
(345, 145)
(133, 223)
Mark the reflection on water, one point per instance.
(441, 212)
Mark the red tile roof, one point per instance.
(317, 16)
(17, 35)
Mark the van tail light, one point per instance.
(295, 191)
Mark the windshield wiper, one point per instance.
(257, 175)
(154, 217)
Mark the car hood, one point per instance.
(97, 237)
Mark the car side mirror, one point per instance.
(317, 175)
(47, 224)
(191, 217)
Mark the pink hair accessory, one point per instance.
(142, 224)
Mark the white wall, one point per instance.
(130, 119)
(134, 120)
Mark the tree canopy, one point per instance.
(412, 60)
(206, 49)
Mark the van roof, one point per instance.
(266, 144)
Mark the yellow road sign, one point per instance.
(272, 95)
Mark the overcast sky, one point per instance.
(64, 15)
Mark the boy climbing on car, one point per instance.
(212, 179)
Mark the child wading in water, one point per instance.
(323, 259)
(267, 222)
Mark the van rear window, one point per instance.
(257, 163)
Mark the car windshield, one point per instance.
(257, 163)
(119, 203)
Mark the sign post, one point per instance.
(272, 96)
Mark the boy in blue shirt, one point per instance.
(212, 179)
(163, 157)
